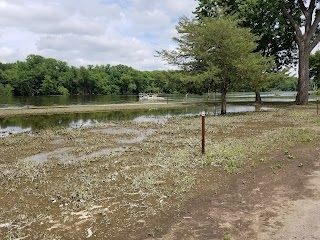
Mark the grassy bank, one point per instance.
(115, 179)
(7, 112)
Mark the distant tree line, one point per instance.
(47, 76)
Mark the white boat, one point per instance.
(149, 97)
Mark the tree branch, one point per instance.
(314, 43)
(293, 23)
(303, 7)
(314, 24)
(308, 13)
(312, 6)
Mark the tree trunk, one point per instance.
(303, 81)
(223, 97)
(258, 98)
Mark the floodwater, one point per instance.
(10, 102)
(66, 154)
(237, 102)
(20, 124)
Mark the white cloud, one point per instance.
(85, 32)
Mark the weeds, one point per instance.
(138, 180)
(277, 166)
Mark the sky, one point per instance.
(97, 32)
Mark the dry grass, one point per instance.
(15, 111)
(147, 169)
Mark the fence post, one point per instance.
(203, 131)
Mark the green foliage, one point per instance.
(63, 91)
(219, 52)
(6, 90)
(285, 27)
(282, 82)
(264, 18)
(227, 237)
(46, 76)
(216, 49)
(315, 67)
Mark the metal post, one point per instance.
(203, 132)
(317, 106)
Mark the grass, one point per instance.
(5, 112)
(124, 190)
(227, 237)
(232, 154)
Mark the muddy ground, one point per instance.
(259, 179)
(262, 202)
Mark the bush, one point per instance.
(63, 91)
(6, 90)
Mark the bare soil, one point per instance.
(260, 202)
(259, 179)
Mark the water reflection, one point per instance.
(19, 124)
(16, 101)
(4, 132)
(65, 154)
(13, 101)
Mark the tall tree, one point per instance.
(279, 23)
(216, 49)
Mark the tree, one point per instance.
(254, 70)
(216, 49)
(306, 39)
(49, 86)
(315, 68)
(263, 19)
(6, 90)
(270, 20)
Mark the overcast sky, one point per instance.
(83, 32)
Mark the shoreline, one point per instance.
(53, 110)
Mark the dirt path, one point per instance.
(279, 199)
(303, 218)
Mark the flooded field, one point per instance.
(20, 124)
(42, 101)
(119, 178)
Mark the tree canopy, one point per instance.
(217, 50)
(315, 68)
(286, 27)
(47, 76)
(263, 19)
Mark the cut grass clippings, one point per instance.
(125, 188)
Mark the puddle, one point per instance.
(5, 132)
(81, 123)
(64, 155)
(141, 135)
(236, 109)
(153, 119)
(43, 157)
(13, 125)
